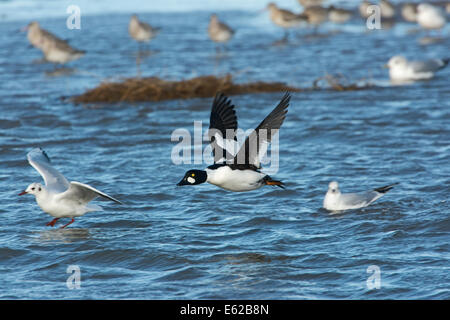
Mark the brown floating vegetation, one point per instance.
(156, 89)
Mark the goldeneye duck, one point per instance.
(237, 171)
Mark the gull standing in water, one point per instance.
(400, 69)
(337, 201)
(59, 197)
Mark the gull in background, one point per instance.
(430, 17)
(59, 197)
(337, 201)
(400, 69)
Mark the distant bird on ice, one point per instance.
(337, 201)
(58, 197)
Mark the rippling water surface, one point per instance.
(202, 242)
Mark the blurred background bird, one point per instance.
(310, 3)
(55, 50)
(339, 15)
(409, 12)
(316, 15)
(218, 31)
(284, 18)
(430, 17)
(141, 31)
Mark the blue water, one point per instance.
(202, 242)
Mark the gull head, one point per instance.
(34, 188)
(193, 177)
(333, 187)
(396, 61)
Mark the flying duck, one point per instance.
(239, 171)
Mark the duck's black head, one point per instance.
(193, 177)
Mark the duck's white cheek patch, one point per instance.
(190, 180)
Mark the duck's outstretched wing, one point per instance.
(222, 128)
(257, 142)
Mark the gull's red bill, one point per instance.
(22, 193)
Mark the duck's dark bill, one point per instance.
(182, 183)
(22, 193)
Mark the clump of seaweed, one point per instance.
(156, 89)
